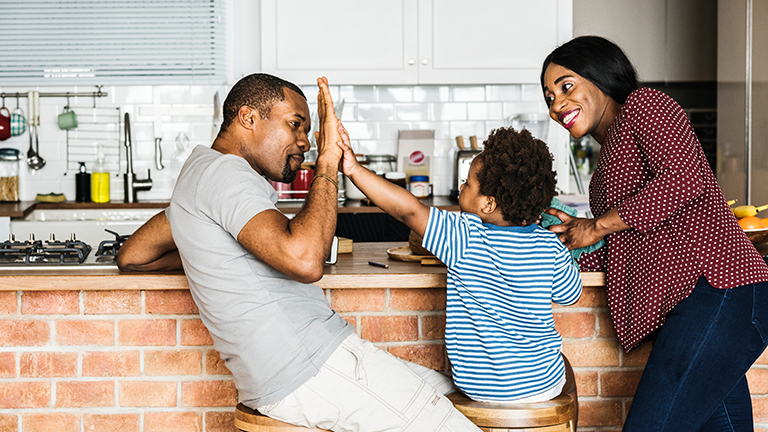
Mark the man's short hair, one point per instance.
(259, 91)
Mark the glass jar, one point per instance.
(381, 164)
(419, 186)
(9, 174)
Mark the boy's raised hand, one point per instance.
(349, 162)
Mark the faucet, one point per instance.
(132, 185)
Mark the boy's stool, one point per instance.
(556, 415)
(250, 420)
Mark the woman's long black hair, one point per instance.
(600, 61)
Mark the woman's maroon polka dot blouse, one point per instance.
(653, 168)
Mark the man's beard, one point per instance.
(288, 174)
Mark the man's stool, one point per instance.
(249, 420)
(556, 415)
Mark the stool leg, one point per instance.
(570, 389)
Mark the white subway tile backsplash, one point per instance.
(484, 110)
(525, 107)
(411, 111)
(373, 115)
(448, 111)
(467, 129)
(390, 130)
(468, 94)
(431, 94)
(532, 92)
(361, 130)
(375, 111)
(357, 94)
(503, 93)
(133, 94)
(394, 94)
(442, 129)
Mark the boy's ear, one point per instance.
(489, 206)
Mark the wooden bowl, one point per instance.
(757, 236)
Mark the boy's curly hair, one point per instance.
(517, 171)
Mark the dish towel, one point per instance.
(549, 220)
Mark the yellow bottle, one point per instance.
(100, 181)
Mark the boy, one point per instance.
(503, 269)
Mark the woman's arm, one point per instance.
(581, 232)
(150, 248)
(669, 150)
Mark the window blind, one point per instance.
(49, 42)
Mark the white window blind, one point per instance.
(98, 42)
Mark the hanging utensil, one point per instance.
(34, 160)
(216, 116)
(158, 148)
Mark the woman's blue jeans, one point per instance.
(694, 379)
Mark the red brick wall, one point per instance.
(130, 361)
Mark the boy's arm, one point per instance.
(393, 199)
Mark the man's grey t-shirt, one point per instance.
(273, 332)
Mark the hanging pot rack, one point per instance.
(94, 95)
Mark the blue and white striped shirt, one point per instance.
(499, 332)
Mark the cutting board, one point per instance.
(404, 253)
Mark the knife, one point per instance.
(216, 116)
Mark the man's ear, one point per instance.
(247, 117)
(489, 206)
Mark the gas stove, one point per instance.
(56, 254)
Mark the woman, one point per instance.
(681, 273)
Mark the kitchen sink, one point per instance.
(88, 225)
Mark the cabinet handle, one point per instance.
(425, 61)
(411, 61)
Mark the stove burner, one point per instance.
(111, 247)
(38, 252)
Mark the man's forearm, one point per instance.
(168, 262)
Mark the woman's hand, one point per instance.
(577, 232)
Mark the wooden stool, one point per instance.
(250, 420)
(556, 415)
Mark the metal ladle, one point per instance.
(34, 160)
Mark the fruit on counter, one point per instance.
(751, 222)
(765, 222)
(731, 202)
(743, 211)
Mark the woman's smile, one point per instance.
(567, 118)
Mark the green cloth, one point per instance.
(549, 220)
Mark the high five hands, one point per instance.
(328, 134)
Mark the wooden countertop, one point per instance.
(351, 271)
(23, 208)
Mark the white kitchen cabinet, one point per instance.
(410, 41)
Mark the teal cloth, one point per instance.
(549, 220)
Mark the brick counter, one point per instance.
(138, 359)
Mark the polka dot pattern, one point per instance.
(653, 168)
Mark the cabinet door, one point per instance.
(349, 41)
(489, 41)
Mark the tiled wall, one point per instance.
(372, 114)
(142, 361)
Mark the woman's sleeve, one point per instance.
(669, 148)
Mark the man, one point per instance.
(251, 269)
